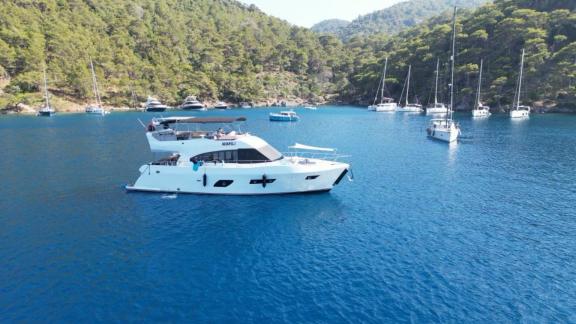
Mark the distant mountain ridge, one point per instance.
(392, 20)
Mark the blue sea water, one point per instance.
(481, 231)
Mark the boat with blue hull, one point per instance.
(284, 116)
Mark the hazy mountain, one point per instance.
(393, 19)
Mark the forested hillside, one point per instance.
(495, 32)
(331, 26)
(227, 50)
(393, 19)
(173, 48)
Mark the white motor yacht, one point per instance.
(437, 108)
(480, 110)
(221, 105)
(231, 162)
(154, 105)
(519, 111)
(385, 104)
(408, 107)
(191, 103)
(95, 109)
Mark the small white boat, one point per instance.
(46, 110)
(520, 111)
(191, 103)
(285, 116)
(408, 107)
(386, 104)
(154, 105)
(437, 108)
(95, 109)
(447, 129)
(443, 129)
(245, 105)
(221, 105)
(231, 162)
(480, 110)
(310, 107)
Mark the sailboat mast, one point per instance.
(520, 79)
(377, 91)
(383, 81)
(452, 58)
(479, 85)
(46, 89)
(436, 87)
(95, 84)
(408, 84)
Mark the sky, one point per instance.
(306, 13)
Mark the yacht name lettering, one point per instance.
(228, 143)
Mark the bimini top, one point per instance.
(299, 146)
(205, 120)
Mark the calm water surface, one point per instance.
(481, 231)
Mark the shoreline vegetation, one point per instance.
(226, 50)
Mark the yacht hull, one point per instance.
(233, 179)
(46, 113)
(155, 109)
(193, 107)
(476, 113)
(519, 114)
(436, 111)
(444, 135)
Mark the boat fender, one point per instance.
(204, 180)
(263, 181)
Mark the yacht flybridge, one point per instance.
(228, 161)
(386, 104)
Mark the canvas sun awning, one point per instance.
(298, 146)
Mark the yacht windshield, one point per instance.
(271, 153)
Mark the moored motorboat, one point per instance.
(191, 103)
(221, 105)
(231, 162)
(286, 115)
(154, 105)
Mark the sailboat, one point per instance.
(446, 129)
(480, 110)
(95, 109)
(408, 107)
(520, 111)
(386, 104)
(437, 108)
(47, 110)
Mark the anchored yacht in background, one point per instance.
(231, 162)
